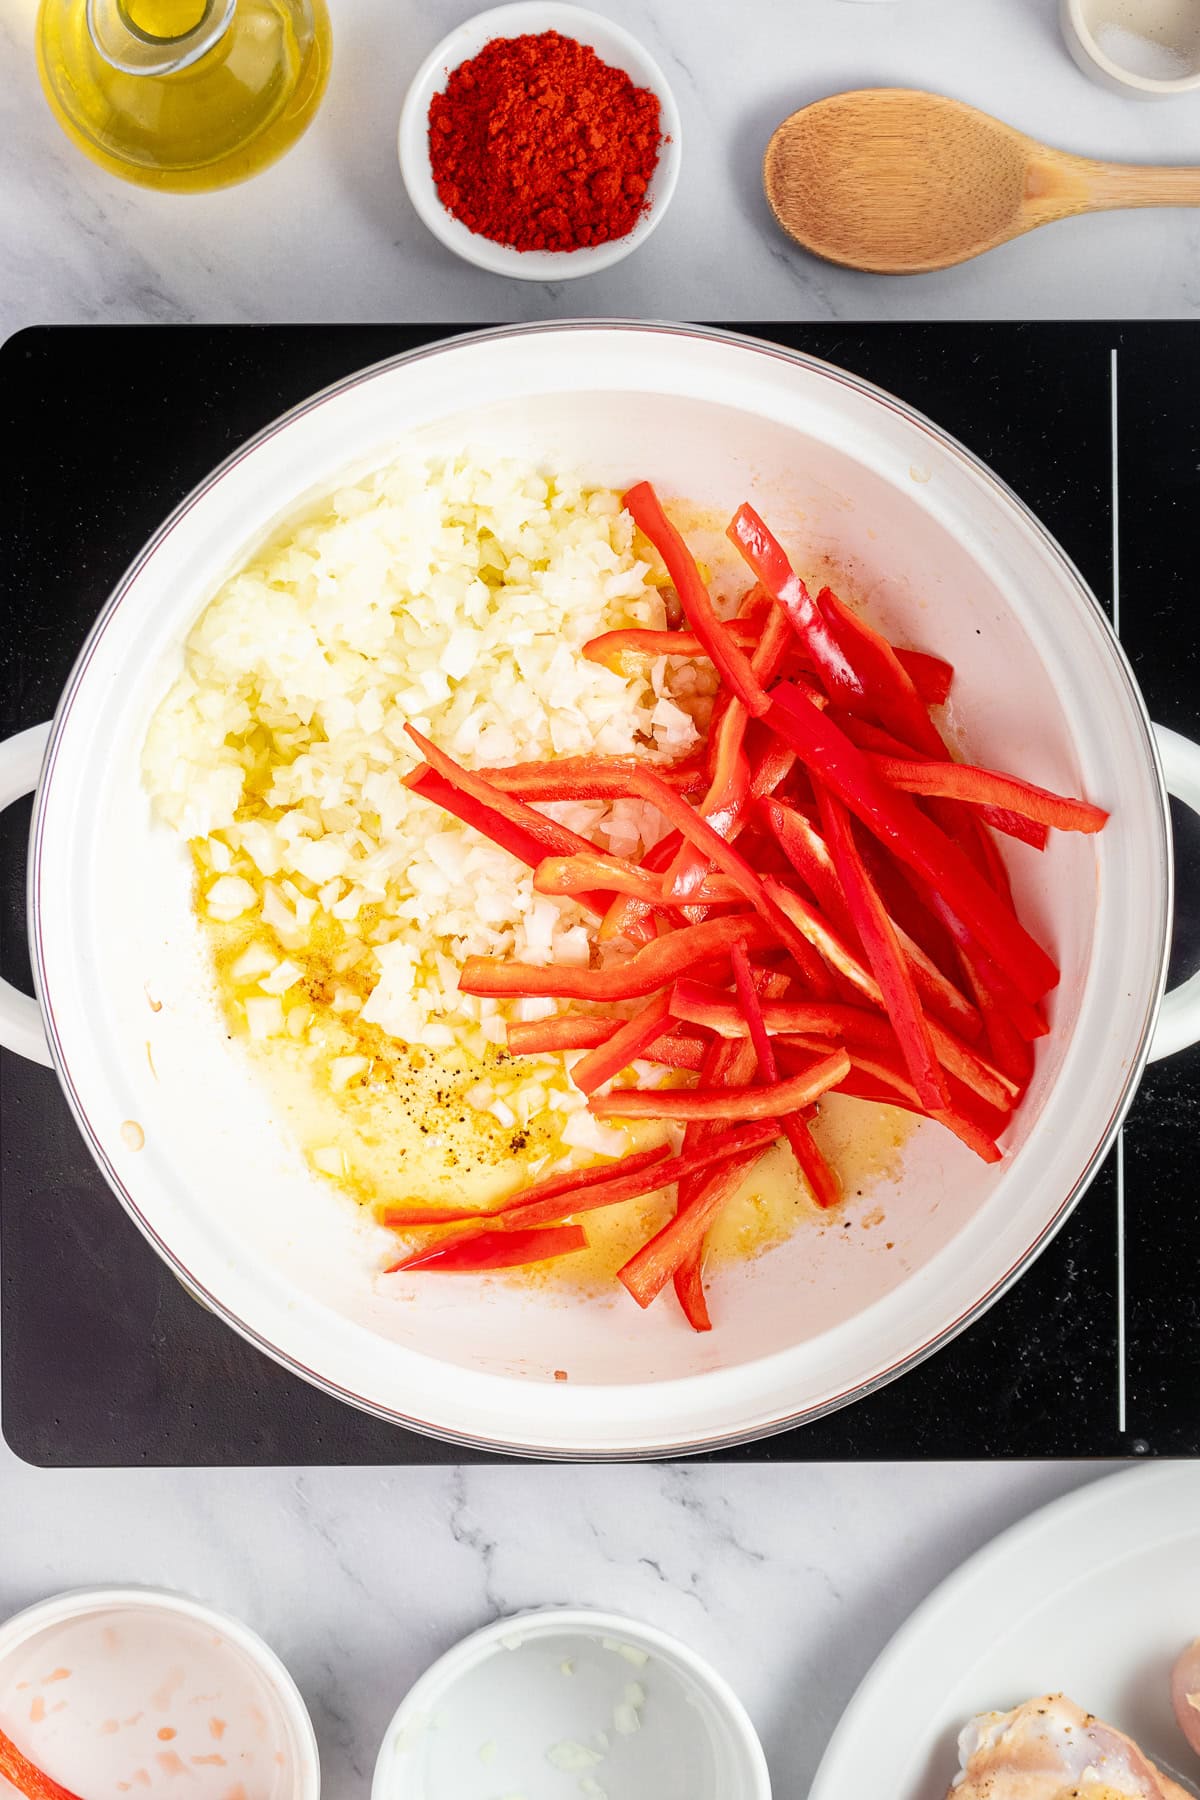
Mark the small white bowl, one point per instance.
(562, 1701)
(614, 46)
(113, 1673)
(1161, 23)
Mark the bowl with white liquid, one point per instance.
(563, 1702)
(1146, 48)
(110, 1691)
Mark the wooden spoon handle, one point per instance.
(1127, 184)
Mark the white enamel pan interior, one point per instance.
(949, 560)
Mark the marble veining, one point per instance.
(328, 233)
(790, 1578)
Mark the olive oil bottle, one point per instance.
(184, 94)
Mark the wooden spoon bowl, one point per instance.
(900, 182)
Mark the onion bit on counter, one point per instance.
(827, 911)
(538, 144)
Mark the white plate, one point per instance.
(1094, 1596)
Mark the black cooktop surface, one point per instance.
(105, 1360)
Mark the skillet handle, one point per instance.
(1179, 1021)
(21, 1028)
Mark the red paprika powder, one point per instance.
(538, 144)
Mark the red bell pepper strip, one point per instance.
(509, 835)
(569, 875)
(824, 1184)
(572, 1031)
(1010, 1051)
(645, 508)
(899, 824)
(689, 1291)
(871, 738)
(555, 839)
(698, 1004)
(655, 965)
(891, 970)
(620, 1188)
(861, 1085)
(586, 777)
(769, 560)
(730, 771)
(889, 690)
(633, 920)
(570, 1181)
(477, 1252)
(455, 787)
(770, 766)
(986, 787)
(930, 675)
(615, 647)
(15, 1767)
(674, 808)
(648, 1271)
(809, 855)
(771, 1102)
(625, 1045)
(725, 1064)
(566, 1031)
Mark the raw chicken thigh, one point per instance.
(1049, 1749)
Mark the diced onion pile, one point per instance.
(456, 597)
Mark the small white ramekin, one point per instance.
(1082, 21)
(521, 1705)
(79, 1603)
(614, 46)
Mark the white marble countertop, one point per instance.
(790, 1577)
(328, 233)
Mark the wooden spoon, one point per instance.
(897, 181)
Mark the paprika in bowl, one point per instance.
(540, 141)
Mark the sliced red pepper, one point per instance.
(674, 808)
(633, 920)
(477, 1252)
(876, 741)
(930, 675)
(878, 937)
(913, 838)
(730, 771)
(587, 777)
(771, 1102)
(26, 1778)
(648, 1271)
(616, 647)
(570, 1181)
(698, 1004)
(689, 1291)
(821, 1179)
(888, 687)
(986, 787)
(566, 1031)
(510, 836)
(769, 560)
(625, 1045)
(653, 966)
(571, 875)
(620, 1188)
(554, 839)
(645, 508)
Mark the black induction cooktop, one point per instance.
(105, 1360)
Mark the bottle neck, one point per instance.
(157, 37)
